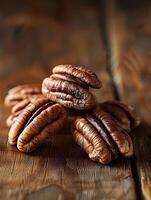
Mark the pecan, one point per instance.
(11, 119)
(102, 138)
(69, 86)
(124, 114)
(22, 92)
(36, 123)
(18, 108)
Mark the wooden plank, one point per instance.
(35, 36)
(130, 40)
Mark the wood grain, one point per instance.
(130, 44)
(36, 36)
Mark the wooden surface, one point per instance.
(129, 38)
(114, 41)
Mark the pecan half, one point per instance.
(69, 85)
(99, 134)
(22, 92)
(124, 114)
(18, 108)
(11, 119)
(36, 123)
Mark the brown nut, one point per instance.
(18, 108)
(68, 85)
(22, 92)
(102, 138)
(11, 119)
(124, 114)
(36, 123)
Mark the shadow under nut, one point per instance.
(31, 136)
(89, 139)
(68, 94)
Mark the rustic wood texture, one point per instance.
(129, 33)
(35, 36)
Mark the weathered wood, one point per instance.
(35, 36)
(130, 42)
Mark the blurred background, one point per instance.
(112, 38)
(37, 35)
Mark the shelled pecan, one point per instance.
(123, 113)
(11, 119)
(36, 123)
(17, 109)
(69, 86)
(21, 92)
(101, 136)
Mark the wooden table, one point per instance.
(115, 41)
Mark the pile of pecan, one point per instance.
(37, 112)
